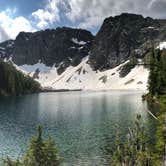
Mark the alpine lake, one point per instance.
(83, 124)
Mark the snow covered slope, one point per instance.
(82, 77)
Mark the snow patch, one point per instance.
(10, 44)
(162, 46)
(84, 78)
(2, 48)
(150, 27)
(75, 40)
(32, 68)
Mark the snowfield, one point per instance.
(82, 77)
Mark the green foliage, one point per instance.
(135, 150)
(40, 153)
(157, 78)
(9, 162)
(147, 58)
(14, 82)
(161, 133)
(157, 97)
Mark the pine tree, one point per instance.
(13, 82)
(40, 153)
(135, 151)
(153, 74)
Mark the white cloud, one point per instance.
(91, 13)
(13, 25)
(82, 13)
(48, 15)
(3, 35)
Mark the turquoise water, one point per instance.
(83, 124)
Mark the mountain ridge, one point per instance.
(50, 56)
(124, 36)
(119, 38)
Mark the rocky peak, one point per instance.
(124, 36)
(52, 47)
(120, 38)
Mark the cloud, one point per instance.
(48, 15)
(158, 7)
(13, 25)
(3, 35)
(91, 13)
(88, 14)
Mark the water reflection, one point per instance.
(83, 123)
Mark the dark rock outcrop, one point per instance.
(6, 49)
(60, 47)
(125, 36)
(119, 39)
(52, 46)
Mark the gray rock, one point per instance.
(119, 39)
(6, 49)
(60, 47)
(125, 36)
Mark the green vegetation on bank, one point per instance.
(135, 150)
(157, 78)
(14, 82)
(156, 98)
(40, 153)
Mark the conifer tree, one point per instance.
(40, 153)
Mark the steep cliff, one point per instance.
(125, 36)
(60, 47)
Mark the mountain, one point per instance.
(61, 47)
(14, 82)
(67, 58)
(6, 49)
(125, 36)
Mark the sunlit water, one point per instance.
(84, 124)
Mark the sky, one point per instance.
(34, 15)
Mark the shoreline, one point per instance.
(91, 90)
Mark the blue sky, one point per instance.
(34, 15)
(25, 7)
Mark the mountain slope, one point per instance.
(125, 36)
(68, 58)
(60, 47)
(82, 77)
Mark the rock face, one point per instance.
(6, 49)
(60, 47)
(122, 37)
(119, 39)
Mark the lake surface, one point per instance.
(84, 124)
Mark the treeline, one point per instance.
(156, 98)
(157, 78)
(14, 82)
